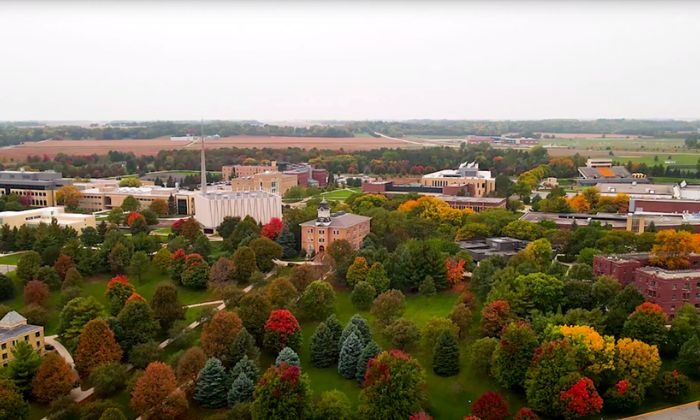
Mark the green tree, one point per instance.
(481, 353)
(212, 386)
(349, 355)
(289, 356)
(166, 305)
(244, 264)
(116, 216)
(24, 364)
(7, 288)
(74, 315)
(317, 301)
(332, 405)
(138, 323)
(286, 240)
(362, 295)
(243, 346)
(139, 265)
(119, 258)
(512, 356)
(130, 204)
(446, 355)
(427, 287)
(266, 250)
(323, 347)
(370, 351)
(246, 230)
(648, 324)
(552, 371)
(112, 414)
(12, 405)
(359, 326)
(227, 226)
(402, 333)
(253, 309)
(388, 306)
(196, 272)
(241, 390)
(162, 260)
(689, 357)
(28, 266)
(283, 393)
(357, 271)
(282, 293)
(376, 276)
(108, 379)
(247, 367)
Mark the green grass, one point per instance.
(630, 143)
(673, 180)
(162, 231)
(338, 195)
(11, 259)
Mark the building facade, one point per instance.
(229, 172)
(317, 235)
(468, 175)
(99, 196)
(271, 182)
(47, 215)
(38, 188)
(14, 329)
(212, 207)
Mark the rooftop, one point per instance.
(341, 219)
(663, 273)
(634, 188)
(604, 172)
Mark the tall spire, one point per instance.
(203, 163)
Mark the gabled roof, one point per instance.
(12, 318)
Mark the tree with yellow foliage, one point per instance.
(579, 203)
(68, 196)
(432, 208)
(672, 249)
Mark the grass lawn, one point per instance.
(682, 159)
(449, 397)
(632, 143)
(11, 259)
(673, 180)
(339, 195)
(162, 231)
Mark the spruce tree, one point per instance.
(241, 390)
(427, 287)
(349, 354)
(336, 330)
(323, 348)
(289, 356)
(446, 355)
(358, 325)
(248, 367)
(288, 242)
(371, 349)
(212, 389)
(243, 345)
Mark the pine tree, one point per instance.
(371, 349)
(289, 356)
(211, 390)
(22, 368)
(360, 326)
(446, 355)
(243, 345)
(349, 354)
(248, 367)
(323, 347)
(427, 287)
(241, 390)
(288, 242)
(172, 206)
(336, 330)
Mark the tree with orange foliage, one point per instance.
(494, 317)
(53, 379)
(36, 292)
(62, 265)
(156, 396)
(647, 323)
(672, 249)
(579, 204)
(219, 333)
(455, 270)
(96, 346)
(119, 289)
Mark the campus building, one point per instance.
(602, 170)
(14, 329)
(317, 235)
(47, 215)
(504, 247)
(39, 188)
(271, 182)
(98, 196)
(670, 289)
(467, 176)
(229, 172)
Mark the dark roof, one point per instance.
(17, 331)
(341, 220)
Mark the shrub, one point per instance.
(108, 379)
(490, 406)
(674, 386)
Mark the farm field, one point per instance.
(51, 148)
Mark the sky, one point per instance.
(296, 61)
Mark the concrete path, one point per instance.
(688, 411)
(62, 351)
(285, 263)
(6, 268)
(197, 305)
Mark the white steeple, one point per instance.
(203, 163)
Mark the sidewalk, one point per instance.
(688, 411)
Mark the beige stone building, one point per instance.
(271, 182)
(14, 329)
(38, 188)
(478, 183)
(229, 172)
(47, 215)
(317, 235)
(98, 196)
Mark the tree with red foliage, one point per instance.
(62, 265)
(131, 218)
(134, 296)
(647, 323)
(394, 387)
(36, 292)
(490, 406)
(421, 415)
(273, 228)
(455, 270)
(526, 414)
(156, 396)
(581, 399)
(282, 392)
(494, 317)
(282, 330)
(119, 290)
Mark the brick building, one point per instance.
(317, 235)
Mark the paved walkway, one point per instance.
(6, 268)
(688, 411)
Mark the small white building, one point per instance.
(47, 215)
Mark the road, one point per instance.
(688, 411)
(417, 143)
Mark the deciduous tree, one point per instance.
(672, 249)
(138, 323)
(388, 306)
(166, 305)
(53, 379)
(281, 293)
(244, 264)
(254, 309)
(357, 271)
(155, 393)
(362, 295)
(97, 346)
(282, 393)
(282, 330)
(266, 250)
(402, 333)
(12, 405)
(36, 292)
(219, 334)
(647, 323)
(221, 271)
(189, 365)
(317, 301)
(494, 317)
(490, 406)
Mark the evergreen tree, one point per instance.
(241, 390)
(349, 354)
(427, 287)
(358, 325)
(289, 356)
(243, 345)
(172, 206)
(23, 366)
(211, 390)
(288, 243)
(336, 332)
(371, 349)
(248, 367)
(323, 347)
(446, 355)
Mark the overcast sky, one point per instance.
(335, 60)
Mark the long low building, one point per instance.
(106, 195)
(47, 215)
(38, 187)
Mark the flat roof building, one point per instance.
(272, 182)
(14, 329)
(47, 215)
(39, 188)
(502, 246)
(467, 174)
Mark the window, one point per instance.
(38, 344)
(37, 334)
(4, 356)
(4, 345)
